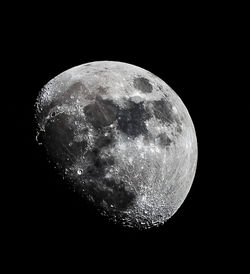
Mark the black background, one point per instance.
(184, 47)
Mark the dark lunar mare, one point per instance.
(163, 111)
(101, 113)
(111, 193)
(143, 84)
(131, 120)
(164, 140)
(58, 140)
(105, 190)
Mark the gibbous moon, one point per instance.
(122, 138)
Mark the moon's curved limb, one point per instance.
(122, 137)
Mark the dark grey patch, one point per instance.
(78, 90)
(160, 87)
(147, 138)
(143, 84)
(121, 198)
(59, 133)
(179, 126)
(164, 140)
(101, 113)
(97, 165)
(94, 175)
(76, 87)
(113, 193)
(163, 111)
(131, 120)
(102, 90)
(103, 141)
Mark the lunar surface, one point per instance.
(122, 138)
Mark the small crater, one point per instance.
(79, 171)
(143, 84)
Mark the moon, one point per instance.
(122, 138)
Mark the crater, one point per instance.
(164, 140)
(143, 84)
